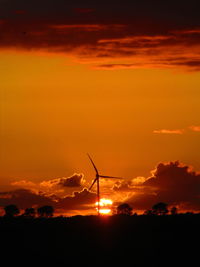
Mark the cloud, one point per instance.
(58, 185)
(195, 128)
(76, 180)
(25, 198)
(123, 186)
(79, 200)
(24, 184)
(129, 185)
(107, 36)
(116, 66)
(84, 27)
(167, 131)
(19, 12)
(84, 10)
(57, 192)
(173, 183)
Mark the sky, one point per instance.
(119, 81)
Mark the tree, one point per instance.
(45, 211)
(174, 211)
(160, 208)
(124, 209)
(29, 213)
(148, 212)
(11, 210)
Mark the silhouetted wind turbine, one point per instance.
(96, 180)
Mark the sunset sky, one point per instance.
(119, 80)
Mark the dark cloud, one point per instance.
(74, 181)
(84, 10)
(25, 198)
(173, 183)
(133, 185)
(171, 11)
(150, 34)
(116, 66)
(19, 12)
(79, 200)
(123, 186)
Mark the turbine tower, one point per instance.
(96, 180)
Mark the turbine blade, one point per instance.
(93, 164)
(113, 177)
(92, 184)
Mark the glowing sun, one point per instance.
(105, 206)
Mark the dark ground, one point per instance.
(109, 241)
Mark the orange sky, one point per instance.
(54, 111)
(129, 97)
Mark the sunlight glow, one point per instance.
(104, 202)
(105, 205)
(105, 211)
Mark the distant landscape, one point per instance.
(128, 240)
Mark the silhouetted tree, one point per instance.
(11, 210)
(45, 211)
(124, 209)
(29, 213)
(160, 208)
(148, 212)
(174, 211)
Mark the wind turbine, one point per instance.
(96, 180)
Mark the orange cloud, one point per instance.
(76, 180)
(24, 184)
(195, 128)
(59, 186)
(85, 27)
(166, 131)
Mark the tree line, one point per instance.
(46, 211)
(160, 208)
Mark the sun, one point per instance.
(105, 206)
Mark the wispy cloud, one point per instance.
(195, 128)
(167, 131)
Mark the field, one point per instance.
(115, 240)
